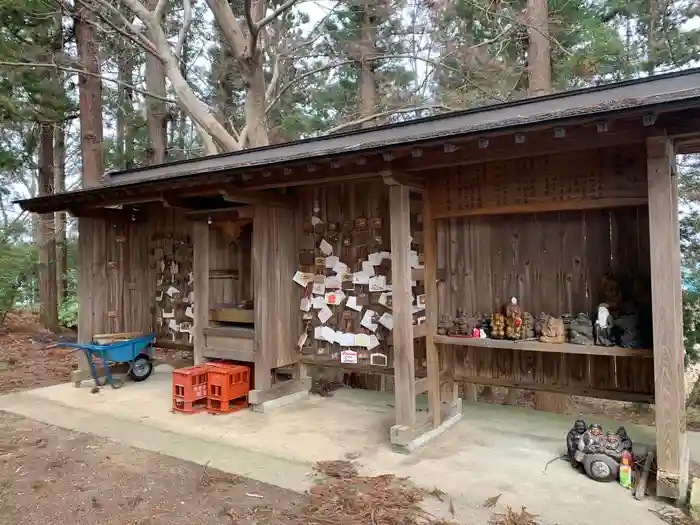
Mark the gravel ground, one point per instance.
(55, 476)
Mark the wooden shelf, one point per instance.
(536, 346)
(327, 362)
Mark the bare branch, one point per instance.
(186, 23)
(87, 73)
(301, 77)
(382, 114)
(277, 12)
(159, 11)
(252, 26)
(229, 26)
(138, 39)
(488, 11)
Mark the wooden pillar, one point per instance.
(404, 366)
(201, 287)
(669, 379)
(431, 310)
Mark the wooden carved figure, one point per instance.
(553, 331)
(514, 320)
(460, 324)
(445, 326)
(498, 326)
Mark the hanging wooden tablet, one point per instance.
(362, 298)
(375, 223)
(306, 258)
(361, 224)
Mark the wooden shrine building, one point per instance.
(353, 250)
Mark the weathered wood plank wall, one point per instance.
(230, 266)
(551, 261)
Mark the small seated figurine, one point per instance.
(461, 322)
(498, 325)
(528, 329)
(553, 331)
(613, 446)
(603, 326)
(624, 439)
(445, 325)
(573, 438)
(592, 440)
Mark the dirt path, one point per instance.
(51, 475)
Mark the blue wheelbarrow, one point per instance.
(137, 352)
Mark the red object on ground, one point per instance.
(190, 389)
(228, 387)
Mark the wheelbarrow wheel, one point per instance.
(141, 368)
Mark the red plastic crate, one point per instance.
(190, 389)
(228, 387)
(215, 406)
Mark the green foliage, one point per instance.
(18, 265)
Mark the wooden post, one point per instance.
(201, 287)
(669, 378)
(404, 366)
(431, 310)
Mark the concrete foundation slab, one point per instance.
(492, 450)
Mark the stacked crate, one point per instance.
(190, 389)
(228, 387)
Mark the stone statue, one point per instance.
(592, 440)
(613, 446)
(574, 436)
(553, 331)
(624, 439)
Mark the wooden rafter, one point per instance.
(240, 195)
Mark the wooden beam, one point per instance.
(284, 388)
(536, 346)
(632, 397)
(503, 146)
(325, 175)
(669, 378)
(547, 206)
(201, 288)
(233, 354)
(404, 366)
(222, 214)
(247, 196)
(423, 385)
(431, 308)
(397, 178)
(171, 201)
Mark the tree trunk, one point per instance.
(539, 62)
(255, 118)
(653, 36)
(368, 46)
(59, 163)
(90, 90)
(157, 111)
(60, 217)
(48, 296)
(125, 113)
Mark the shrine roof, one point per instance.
(661, 93)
